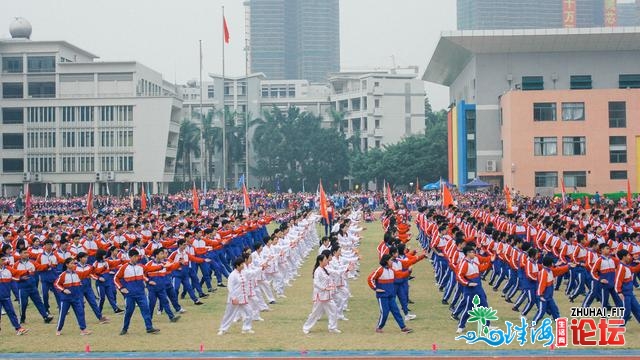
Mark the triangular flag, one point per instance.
(195, 200)
(143, 200)
(390, 202)
(628, 193)
(323, 204)
(507, 196)
(27, 201)
(247, 200)
(447, 198)
(90, 200)
(225, 28)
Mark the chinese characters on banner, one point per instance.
(610, 13)
(569, 13)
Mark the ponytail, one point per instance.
(319, 259)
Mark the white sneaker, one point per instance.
(282, 296)
(335, 331)
(258, 319)
(343, 318)
(182, 311)
(248, 331)
(306, 332)
(459, 331)
(159, 312)
(409, 317)
(221, 332)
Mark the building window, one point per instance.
(618, 175)
(107, 139)
(265, 92)
(39, 64)
(365, 125)
(376, 103)
(125, 163)
(291, 91)
(242, 88)
(12, 64)
(573, 111)
(546, 179)
(106, 113)
(45, 164)
(12, 141)
(107, 163)
(377, 123)
(12, 116)
(12, 165)
(86, 164)
(575, 178)
(41, 114)
(68, 139)
(617, 114)
(85, 138)
(41, 139)
(45, 89)
(532, 83)
(617, 149)
(545, 146)
(227, 88)
(580, 82)
(123, 113)
(574, 145)
(125, 138)
(544, 112)
(210, 92)
(12, 90)
(68, 164)
(377, 144)
(629, 81)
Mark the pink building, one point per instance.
(588, 138)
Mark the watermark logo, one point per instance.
(577, 331)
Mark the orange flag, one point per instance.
(323, 204)
(587, 205)
(195, 200)
(247, 200)
(447, 198)
(390, 202)
(27, 202)
(507, 196)
(225, 30)
(628, 193)
(90, 200)
(143, 200)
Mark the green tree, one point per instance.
(188, 146)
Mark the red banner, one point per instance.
(569, 13)
(610, 13)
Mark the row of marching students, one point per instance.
(33, 266)
(337, 262)
(391, 279)
(526, 264)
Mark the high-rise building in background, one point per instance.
(294, 39)
(540, 14)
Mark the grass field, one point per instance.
(282, 327)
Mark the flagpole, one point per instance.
(246, 111)
(224, 124)
(202, 147)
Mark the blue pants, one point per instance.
(594, 292)
(467, 300)
(195, 282)
(512, 283)
(184, 280)
(605, 291)
(450, 286)
(78, 309)
(528, 294)
(107, 290)
(88, 294)
(8, 308)
(46, 287)
(158, 292)
(580, 277)
(130, 304)
(172, 294)
(402, 291)
(386, 304)
(205, 269)
(26, 293)
(546, 306)
(631, 306)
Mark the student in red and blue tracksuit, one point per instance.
(7, 277)
(157, 273)
(27, 288)
(130, 280)
(624, 285)
(85, 271)
(69, 285)
(382, 282)
(468, 276)
(546, 280)
(604, 272)
(46, 264)
(105, 268)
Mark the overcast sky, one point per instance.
(164, 34)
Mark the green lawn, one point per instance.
(282, 327)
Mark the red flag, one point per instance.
(27, 202)
(195, 200)
(628, 193)
(390, 203)
(447, 198)
(323, 204)
(587, 205)
(143, 199)
(564, 192)
(90, 200)
(507, 196)
(225, 29)
(247, 200)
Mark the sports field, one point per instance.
(281, 330)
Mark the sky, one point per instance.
(164, 34)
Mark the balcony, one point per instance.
(378, 112)
(378, 132)
(377, 90)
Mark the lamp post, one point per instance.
(410, 186)
(303, 179)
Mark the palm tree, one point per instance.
(337, 118)
(188, 145)
(212, 136)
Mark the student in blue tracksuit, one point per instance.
(27, 288)
(382, 282)
(468, 275)
(47, 262)
(546, 280)
(71, 296)
(130, 280)
(624, 284)
(529, 283)
(604, 271)
(157, 272)
(7, 278)
(105, 269)
(85, 271)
